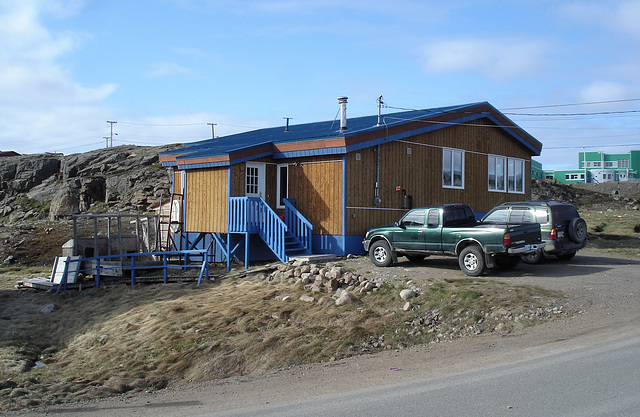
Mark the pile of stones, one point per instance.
(329, 278)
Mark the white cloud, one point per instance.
(622, 16)
(494, 58)
(37, 94)
(165, 68)
(603, 91)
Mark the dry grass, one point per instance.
(108, 341)
(613, 230)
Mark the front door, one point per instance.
(254, 179)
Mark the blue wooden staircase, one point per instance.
(285, 238)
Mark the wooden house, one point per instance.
(317, 187)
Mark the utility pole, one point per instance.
(111, 123)
(106, 138)
(212, 134)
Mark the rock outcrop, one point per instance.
(121, 179)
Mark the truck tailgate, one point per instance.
(524, 233)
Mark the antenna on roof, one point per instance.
(380, 103)
(286, 129)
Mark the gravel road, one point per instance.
(604, 289)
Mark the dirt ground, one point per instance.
(601, 288)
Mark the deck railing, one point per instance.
(253, 215)
(297, 224)
(133, 268)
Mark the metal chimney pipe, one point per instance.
(343, 112)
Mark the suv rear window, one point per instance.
(563, 213)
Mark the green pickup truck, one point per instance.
(452, 229)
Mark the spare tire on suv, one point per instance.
(578, 230)
(562, 228)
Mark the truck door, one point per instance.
(433, 231)
(410, 233)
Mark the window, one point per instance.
(609, 164)
(506, 174)
(433, 218)
(452, 168)
(496, 173)
(413, 218)
(498, 216)
(623, 163)
(597, 164)
(521, 215)
(548, 177)
(252, 180)
(516, 175)
(283, 182)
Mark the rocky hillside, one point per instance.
(39, 193)
(120, 179)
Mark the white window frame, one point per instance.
(513, 164)
(623, 163)
(279, 203)
(449, 158)
(254, 179)
(493, 163)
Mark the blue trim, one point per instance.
(312, 152)
(225, 163)
(170, 164)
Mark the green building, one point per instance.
(536, 170)
(599, 167)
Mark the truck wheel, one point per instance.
(471, 261)
(577, 230)
(380, 253)
(533, 257)
(507, 263)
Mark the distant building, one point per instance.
(599, 167)
(4, 154)
(536, 170)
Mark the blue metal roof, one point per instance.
(313, 131)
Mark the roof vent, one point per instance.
(343, 112)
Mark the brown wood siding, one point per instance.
(177, 182)
(206, 200)
(317, 190)
(419, 174)
(238, 173)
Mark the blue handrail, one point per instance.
(297, 224)
(253, 215)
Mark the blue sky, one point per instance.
(163, 69)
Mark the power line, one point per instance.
(573, 104)
(573, 114)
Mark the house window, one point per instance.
(496, 173)
(252, 180)
(623, 163)
(452, 168)
(548, 177)
(516, 175)
(609, 164)
(283, 184)
(597, 164)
